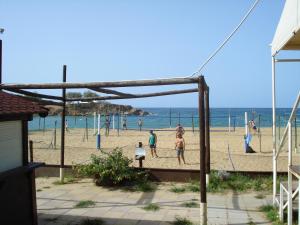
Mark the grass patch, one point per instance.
(193, 186)
(85, 204)
(38, 190)
(260, 196)
(240, 182)
(92, 222)
(190, 204)
(182, 221)
(46, 187)
(151, 207)
(67, 180)
(177, 189)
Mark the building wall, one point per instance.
(10, 145)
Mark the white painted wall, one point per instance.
(10, 145)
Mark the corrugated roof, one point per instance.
(16, 105)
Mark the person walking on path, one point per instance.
(152, 144)
(180, 147)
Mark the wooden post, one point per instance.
(203, 202)
(63, 118)
(140, 162)
(31, 150)
(207, 135)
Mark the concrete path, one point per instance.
(56, 205)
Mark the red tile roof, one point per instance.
(16, 105)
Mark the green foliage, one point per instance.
(92, 222)
(89, 94)
(73, 95)
(177, 189)
(193, 186)
(85, 204)
(151, 207)
(239, 182)
(271, 213)
(182, 221)
(190, 204)
(112, 169)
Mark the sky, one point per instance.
(128, 40)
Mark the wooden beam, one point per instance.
(164, 93)
(32, 94)
(108, 91)
(132, 83)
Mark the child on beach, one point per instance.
(180, 147)
(152, 143)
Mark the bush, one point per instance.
(112, 169)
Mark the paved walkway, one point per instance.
(56, 205)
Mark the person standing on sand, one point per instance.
(140, 124)
(180, 147)
(66, 126)
(179, 129)
(152, 143)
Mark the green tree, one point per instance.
(89, 94)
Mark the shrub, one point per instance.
(111, 169)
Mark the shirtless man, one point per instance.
(180, 147)
(179, 129)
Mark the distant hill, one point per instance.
(89, 108)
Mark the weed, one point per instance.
(190, 204)
(178, 189)
(182, 221)
(38, 190)
(85, 204)
(151, 207)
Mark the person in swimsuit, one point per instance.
(152, 143)
(180, 147)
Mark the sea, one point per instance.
(160, 118)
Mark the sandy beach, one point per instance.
(227, 149)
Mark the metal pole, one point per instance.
(229, 123)
(170, 118)
(203, 202)
(193, 126)
(259, 133)
(296, 134)
(119, 123)
(54, 138)
(207, 136)
(274, 129)
(0, 61)
(290, 179)
(63, 118)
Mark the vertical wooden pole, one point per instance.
(207, 135)
(31, 150)
(63, 118)
(203, 202)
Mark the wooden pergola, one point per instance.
(107, 88)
